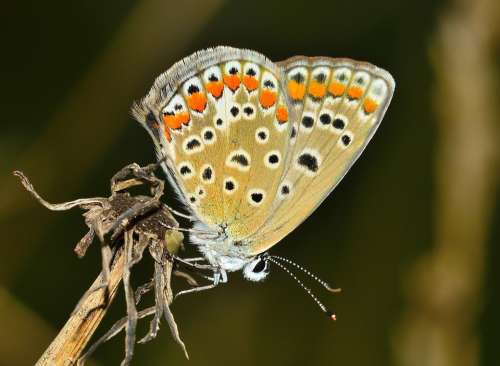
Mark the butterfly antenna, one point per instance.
(309, 273)
(323, 308)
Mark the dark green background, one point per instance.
(364, 238)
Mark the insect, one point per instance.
(253, 147)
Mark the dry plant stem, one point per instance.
(163, 299)
(133, 223)
(444, 292)
(74, 336)
(129, 298)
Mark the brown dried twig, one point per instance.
(126, 225)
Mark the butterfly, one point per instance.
(253, 147)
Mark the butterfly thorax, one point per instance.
(220, 248)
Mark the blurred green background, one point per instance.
(411, 234)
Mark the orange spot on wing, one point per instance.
(369, 105)
(250, 82)
(282, 114)
(317, 90)
(336, 89)
(215, 88)
(171, 121)
(296, 90)
(197, 102)
(183, 118)
(355, 92)
(166, 131)
(232, 81)
(267, 98)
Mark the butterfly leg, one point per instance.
(194, 259)
(220, 276)
(187, 262)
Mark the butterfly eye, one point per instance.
(260, 266)
(256, 270)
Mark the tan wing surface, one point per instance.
(220, 117)
(340, 104)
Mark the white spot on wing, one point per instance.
(298, 70)
(234, 112)
(307, 122)
(250, 65)
(325, 115)
(220, 122)
(230, 185)
(337, 122)
(262, 135)
(205, 176)
(212, 72)
(285, 190)
(200, 192)
(175, 105)
(209, 135)
(232, 64)
(186, 170)
(248, 111)
(345, 139)
(272, 159)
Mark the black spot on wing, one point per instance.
(185, 170)
(307, 121)
(268, 84)
(240, 159)
(207, 174)
(320, 78)
(257, 197)
(298, 77)
(338, 123)
(193, 143)
(308, 161)
(346, 140)
(325, 119)
(285, 189)
(234, 111)
(248, 111)
(208, 135)
(193, 89)
(273, 159)
(229, 185)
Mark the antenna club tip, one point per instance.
(332, 316)
(334, 290)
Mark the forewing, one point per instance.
(217, 117)
(340, 104)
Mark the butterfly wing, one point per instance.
(340, 104)
(220, 119)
